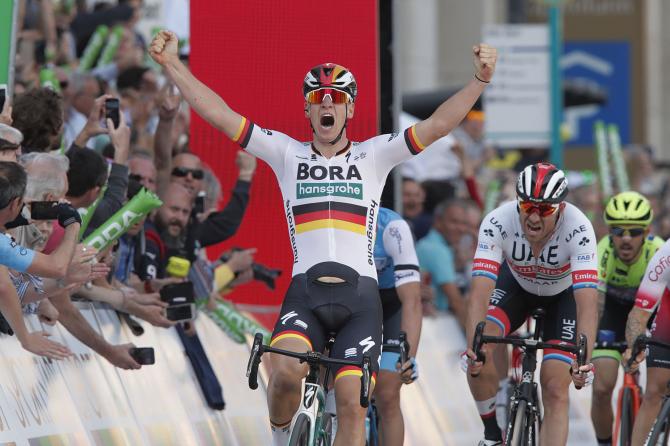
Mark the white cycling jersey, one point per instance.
(654, 286)
(568, 258)
(331, 204)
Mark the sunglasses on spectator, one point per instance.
(8, 145)
(336, 96)
(544, 209)
(620, 232)
(182, 172)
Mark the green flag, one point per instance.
(8, 10)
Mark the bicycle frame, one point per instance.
(526, 392)
(313, 402)
(631, 385)
(313, 405)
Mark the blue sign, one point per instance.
(602, 67)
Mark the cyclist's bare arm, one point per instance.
(586, 300)
(205, 102)
(636, 324)
(453, 110)
(410, 297)
(477, 304)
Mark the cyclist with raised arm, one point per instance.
(537, 251)
(399, 288)
(653, 294)
(331, 189)
(623, 257)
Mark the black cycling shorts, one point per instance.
(660, 330)
(392, 310)
(313, 311)
(510, 306)
(614, 318)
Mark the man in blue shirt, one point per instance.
(436, 255)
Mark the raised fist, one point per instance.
(164, 47)
(485, 57)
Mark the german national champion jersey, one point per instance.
(618, 280)
(568, 257)
(395, 256)
(331, 204)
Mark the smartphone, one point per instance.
(199, 206)
(177, 293)
(112, 111)
(3, 96)
(43, 210)
(180, 313)
(143, 355)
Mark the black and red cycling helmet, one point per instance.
(542, 183)
(330, 75)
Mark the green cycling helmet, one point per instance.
(628, 208)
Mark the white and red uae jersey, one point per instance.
(567, 259)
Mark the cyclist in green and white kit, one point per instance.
(622, 258)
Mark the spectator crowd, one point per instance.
(69, 166)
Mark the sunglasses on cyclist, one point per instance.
(544, 209)
(182, 172)
(620, 232)
(336, 96)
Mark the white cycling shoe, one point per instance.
(490, 443)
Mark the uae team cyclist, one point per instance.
(536, 251)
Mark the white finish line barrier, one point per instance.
(86, 401)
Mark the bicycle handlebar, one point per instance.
(479, 339)
(641, 343)
(310, 357)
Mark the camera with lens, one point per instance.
(261, 272)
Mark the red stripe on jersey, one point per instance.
(485, 265)
(585, 276)
(330, 215)
(647, 301)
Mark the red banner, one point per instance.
(255, 54)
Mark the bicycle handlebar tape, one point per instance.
(118, 224)
(581, 353)
(254, 361)
(477, 342)
(365, 382)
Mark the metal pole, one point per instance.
(556, 43)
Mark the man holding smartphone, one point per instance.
(12, 255)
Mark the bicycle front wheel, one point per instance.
(326, 436)
(659, 430)
(625, 419)
(300, 432)
(520, 420)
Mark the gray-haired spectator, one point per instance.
(10, 143)
(80, 96)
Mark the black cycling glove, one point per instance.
(67, 215)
